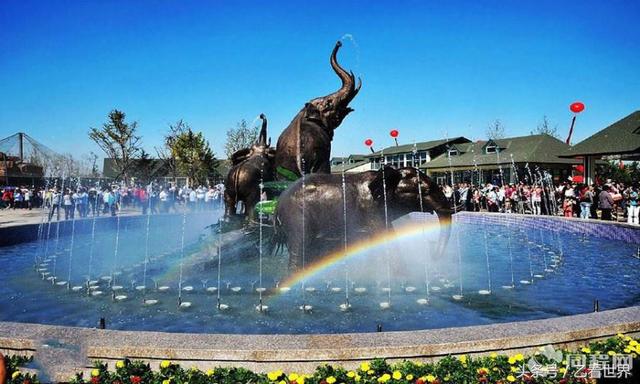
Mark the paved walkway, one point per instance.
(12, 217)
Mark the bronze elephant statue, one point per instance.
(308, 137)
(250, 166)
(365, 195)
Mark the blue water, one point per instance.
(578, 271)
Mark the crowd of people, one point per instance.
(609, 201)
(82, 201)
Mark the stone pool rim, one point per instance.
(302, 353)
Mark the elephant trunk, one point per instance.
(348, 90)
(262, 138)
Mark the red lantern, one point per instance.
(394, 133)
(576, 107)
(368, 142)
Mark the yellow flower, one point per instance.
(564, 362)
(627, 350)
(611, 353)
(512, 360)
(370, 372)
(519, 357)
(511, 379)
(282, 382)
(383, 379)
(274, 375)
(351, 374)
(293, 376)
(419, 363)
(409, 377)
(119, 364)
(562, 370)
(364, 367)
(463, 359)
(493, 355)
(357, 378)
(95, 372)
(330, 379)
(586, 349)
(165, 364)
(494, 369)
(168, 381)
(396, 375)
(447, 378)
(430, 378)
(210, 372)
(15, 374)
(633, 343)
(482, 371)
(514, 369)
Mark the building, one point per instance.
(350, 164)
(412, 155)
(506, 160)
(619, 141)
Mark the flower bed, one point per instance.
(547, 365)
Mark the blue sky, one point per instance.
(429, 68)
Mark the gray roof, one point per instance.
(422, 146)
(347, 166)
(621, 137)
(523, 149)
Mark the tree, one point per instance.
(165, 153)
(495, 130)
(194, 157)
(545, 128)
(119, 142)
(242, 136)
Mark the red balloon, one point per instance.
(576, 107)
(368, 142)
(394, 133)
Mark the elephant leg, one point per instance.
(229, 205)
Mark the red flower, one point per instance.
(26, 381)
(136, 379)
(419, 381)
(293, 382)
(482, 379)
(323, 382)
(95, 380)
(563, 381)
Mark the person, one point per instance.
(55, 204)
(28, 199)
(633, 207)
(605, 202)
(567, 207)
(536, 200)
(17, 199)
(163, 196)
(586, 199)
(67, 204)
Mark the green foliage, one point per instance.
(628, 175)
(242, 136)
(119, 141)
(194, 157)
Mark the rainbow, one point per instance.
(361, 248)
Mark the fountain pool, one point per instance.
(538, 268)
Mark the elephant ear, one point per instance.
(311, 112)
(240, 155)
(386, 177)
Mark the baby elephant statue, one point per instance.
(365, 195)
(250, 166)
